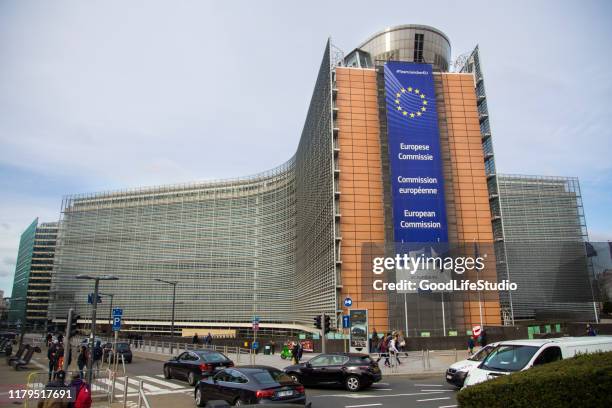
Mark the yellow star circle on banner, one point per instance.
(420, 97)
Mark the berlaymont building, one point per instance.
(396, 148)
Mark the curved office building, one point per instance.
(293, 242)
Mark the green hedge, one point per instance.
(583, 381)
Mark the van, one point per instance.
(518, 355)
(456, 373)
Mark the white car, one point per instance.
(456, 373)
(518, 355)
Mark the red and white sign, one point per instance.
(476, 330)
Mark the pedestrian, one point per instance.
(374, 342)
(209, 339)
(272, 347)
(471, 345)
(401, 341)
(482, 339)
(82, 360)
(57, 383)
(81, 392)
(383, 350)
(52, 355)
(97, 357)
(300, 352)
(294, 353)
(590, 330)
(49, 340)
(195, 339)
(393, 351)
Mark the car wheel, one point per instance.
(191, 379)
(167, 375)
(352, 383)
(199, 400)
(238, 402)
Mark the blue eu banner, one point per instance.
(419, 208)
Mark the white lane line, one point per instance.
(433, 399)
(118, 384)
(436, 392)
(447, 406)
(382, 389)
(364, 405)
(146, 386)
(162, 382)
(428, 385)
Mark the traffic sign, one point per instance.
(476, 330)
(90, 298)
(346, 322)
(116, 323)
(117, 311)
(348, 302)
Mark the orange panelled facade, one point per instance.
(360, 184)
(468, 212)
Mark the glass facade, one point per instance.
(410, 42)
(40, 272)
(544, 235)
(259, 246)
(17, 310)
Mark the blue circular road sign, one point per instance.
(348, 302)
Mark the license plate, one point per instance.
(449, 377)
(284, 393)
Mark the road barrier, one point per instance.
(424, 356)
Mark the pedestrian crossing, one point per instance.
(151, 385)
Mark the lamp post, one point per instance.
(173, 283)
(110, 310)
(92, 336)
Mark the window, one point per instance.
(548, 356)
(321, 360)
(271, 377)
(509, 358)
(419, 39)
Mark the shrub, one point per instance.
(582, 381)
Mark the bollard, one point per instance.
(125, 388)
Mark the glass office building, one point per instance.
(290, 243)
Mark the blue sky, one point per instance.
(110, 95)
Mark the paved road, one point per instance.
(427, 391)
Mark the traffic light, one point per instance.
(327, 327)
(72, 321)
(317, 321)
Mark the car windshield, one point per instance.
(508, 358)
(123, 346)
(271, 377)
(213, 357)
(481, 354)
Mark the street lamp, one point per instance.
(92, 336)
(110, 310)
(173, 283)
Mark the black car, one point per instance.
(123, 349)
(352, 370)
(194, 365)
(250, 385)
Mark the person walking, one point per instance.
(300, 352)
(590, 330)
(97, 358)
(195, 339)
(82, 392)
(52, 355)
(209, 340)
(384, 352)
(393, 351)
(471, 345)
(294, 352)
(82, 360)
(482, 339)
(374, 342)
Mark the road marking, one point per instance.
(447, 406)
(433, 399)
(146, 386)
(382, 389)
(437, 392)
(428, 385)
(364, 405)
(119, 384)
(162, 382)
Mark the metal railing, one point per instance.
(423, 356)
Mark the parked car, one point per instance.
(196, 364)
(352, 370)
(250, 385)
(518, 355)
(456, 373)
(123, 349)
